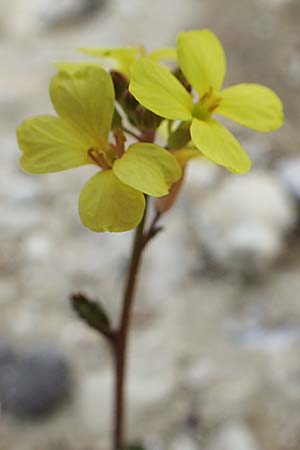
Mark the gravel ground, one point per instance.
(216, 333)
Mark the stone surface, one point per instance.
(231, 436)
(35, 384)
(208, 347)
(243, 222)
(289, 173)
(67, 12)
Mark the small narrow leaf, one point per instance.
(92, 313)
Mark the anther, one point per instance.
(98, 158)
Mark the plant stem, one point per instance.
(121, 335)
(119, 339)
(132, 133)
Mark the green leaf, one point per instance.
(148, 168)
(91, 312)
(135, 446)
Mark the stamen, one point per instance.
(120, 139)
(99, 158)
(214, 106)
(206, 95)
(210, 101)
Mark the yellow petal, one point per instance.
(158, 90)
(148, 168)
(73, 67)
(252, 105)
(106, 204)
(184, 155)
(219, 145)
(168, 53)
(50, 145)
(202, 59)
(84, 98)
(122, 57)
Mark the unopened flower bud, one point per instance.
(138, 116)
(120, 82)
(145, 119)
(180, 77)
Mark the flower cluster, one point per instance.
(92, 107)
(113, 199)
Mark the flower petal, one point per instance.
(252, 105)
(158, 90)
(219, 145)
(106, 204)
(148, 168)
(84, 98)
(73, 67)
(164, 53)
(184, 155)
(50, 145)
(201, 59)
(122, 57)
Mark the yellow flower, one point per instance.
(202, 61)
(121, 58)
(113, 199)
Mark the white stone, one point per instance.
(183, 442)
(242, 223)
(8, 290)
(19, 188)
(18, 219)
(277, 3)
(233, 436)
(289, 173)
(38, 246)
(201, 175)
(294, 69)
(94, 403)
(66, 11)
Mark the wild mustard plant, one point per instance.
(98, 110)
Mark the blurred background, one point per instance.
(215, 348)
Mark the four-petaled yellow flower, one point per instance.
(202, 61)
(113, 199)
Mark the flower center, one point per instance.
(206, 105)
(99, 158)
